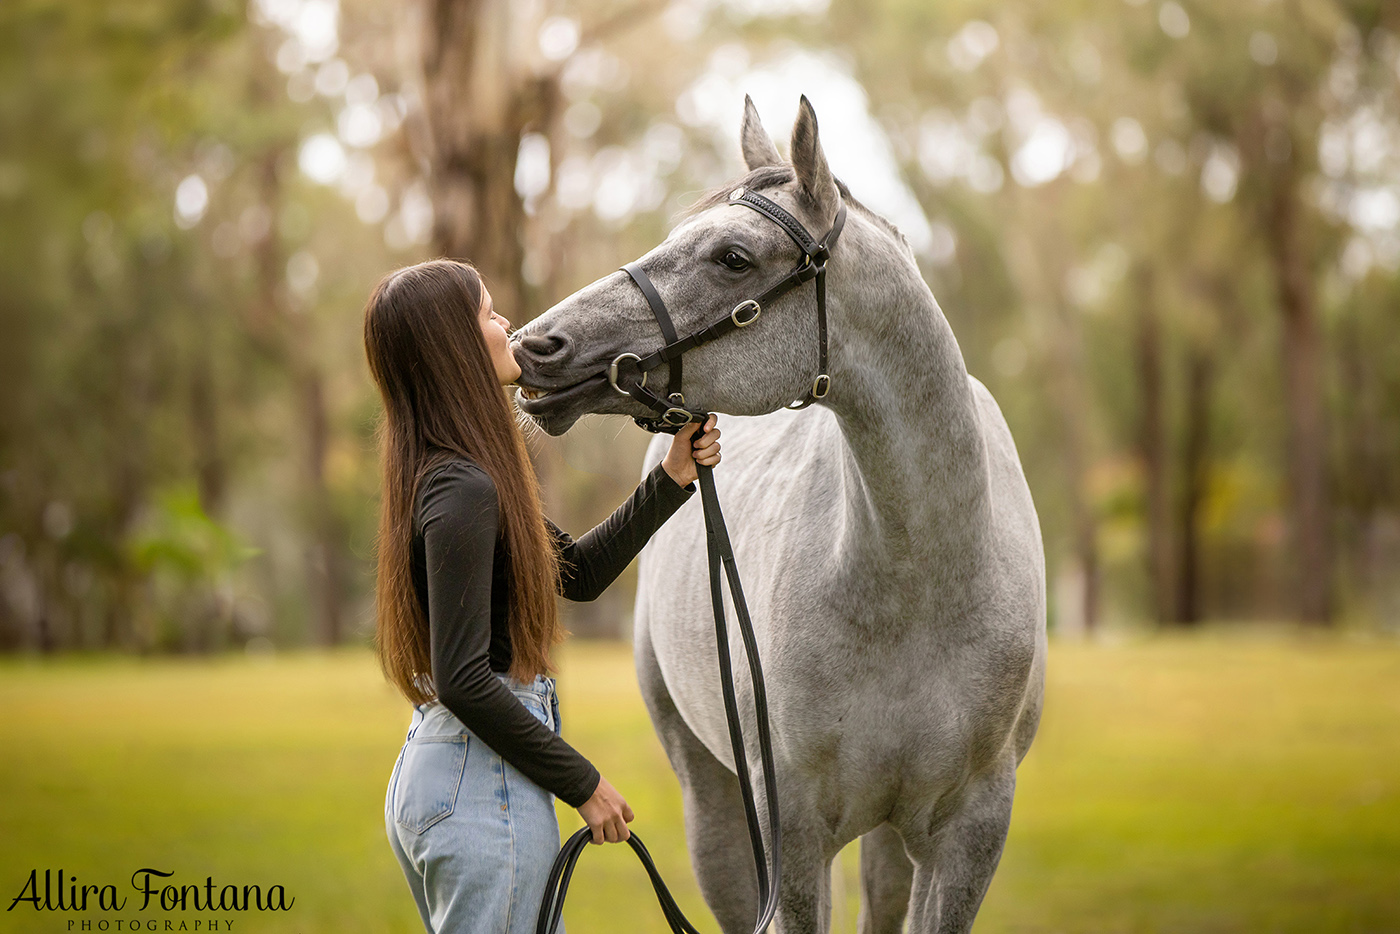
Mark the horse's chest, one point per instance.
(839, 706)
(853, 647)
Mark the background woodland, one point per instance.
(1166, 234)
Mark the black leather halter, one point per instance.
(672, 411)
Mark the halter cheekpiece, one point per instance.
(672, 411)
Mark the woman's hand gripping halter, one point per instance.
(672, 411)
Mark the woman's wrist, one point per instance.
(597, 780)
(678, 473)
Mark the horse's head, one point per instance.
(720, 256)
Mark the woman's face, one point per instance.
(496, 330)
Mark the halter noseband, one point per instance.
(672, 412)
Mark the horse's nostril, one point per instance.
(544, 346)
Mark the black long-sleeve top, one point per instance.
(461, 572)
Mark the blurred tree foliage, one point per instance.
(168, 276)
(1178, 218)
(1165, 233)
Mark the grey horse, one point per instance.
(890, 552)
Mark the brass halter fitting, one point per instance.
(743, 320)
(612, 371)
(676, 416)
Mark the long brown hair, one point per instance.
(442, 399)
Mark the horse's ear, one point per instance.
(754, 139)
(813, 175)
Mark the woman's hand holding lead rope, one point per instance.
(689, 446)
(606, 814)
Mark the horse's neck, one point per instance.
(916, 477)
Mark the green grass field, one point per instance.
(1208, 783)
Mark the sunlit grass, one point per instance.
(1207, 783)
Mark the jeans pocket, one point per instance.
(429, 777)
(537, 705)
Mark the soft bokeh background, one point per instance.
(1166, 234)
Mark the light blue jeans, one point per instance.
(474, 836)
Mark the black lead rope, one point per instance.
(721, 556)
(672, 414)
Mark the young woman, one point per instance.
(469, 570)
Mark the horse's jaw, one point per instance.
(556, 397)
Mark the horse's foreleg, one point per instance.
(714, 812)
(886, 875)
(804, 898)
(954, 863)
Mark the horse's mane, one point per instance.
(771, 176)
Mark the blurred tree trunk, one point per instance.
(486, 84)
(325, 573)
(1072, 400)
(129, 621)
(1152, 445)
(210, 469)
(1085, 531)
(1365, 487)
(206, 626)
(11, 626)
(272, 327)
(1302, 365)
(1041, 262)
(1195, 448)
(483, 87)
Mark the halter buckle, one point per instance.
(612, 372)
(676, 416)
(821, 386)
(747, 303)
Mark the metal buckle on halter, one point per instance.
(676, 416)
(741, 322)
(821, 386)
(612, 372)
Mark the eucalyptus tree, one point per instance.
(547, 140)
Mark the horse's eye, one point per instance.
(735, 261)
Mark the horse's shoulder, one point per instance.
(996, 433)
(986, 403)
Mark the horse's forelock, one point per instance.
(761, 178)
